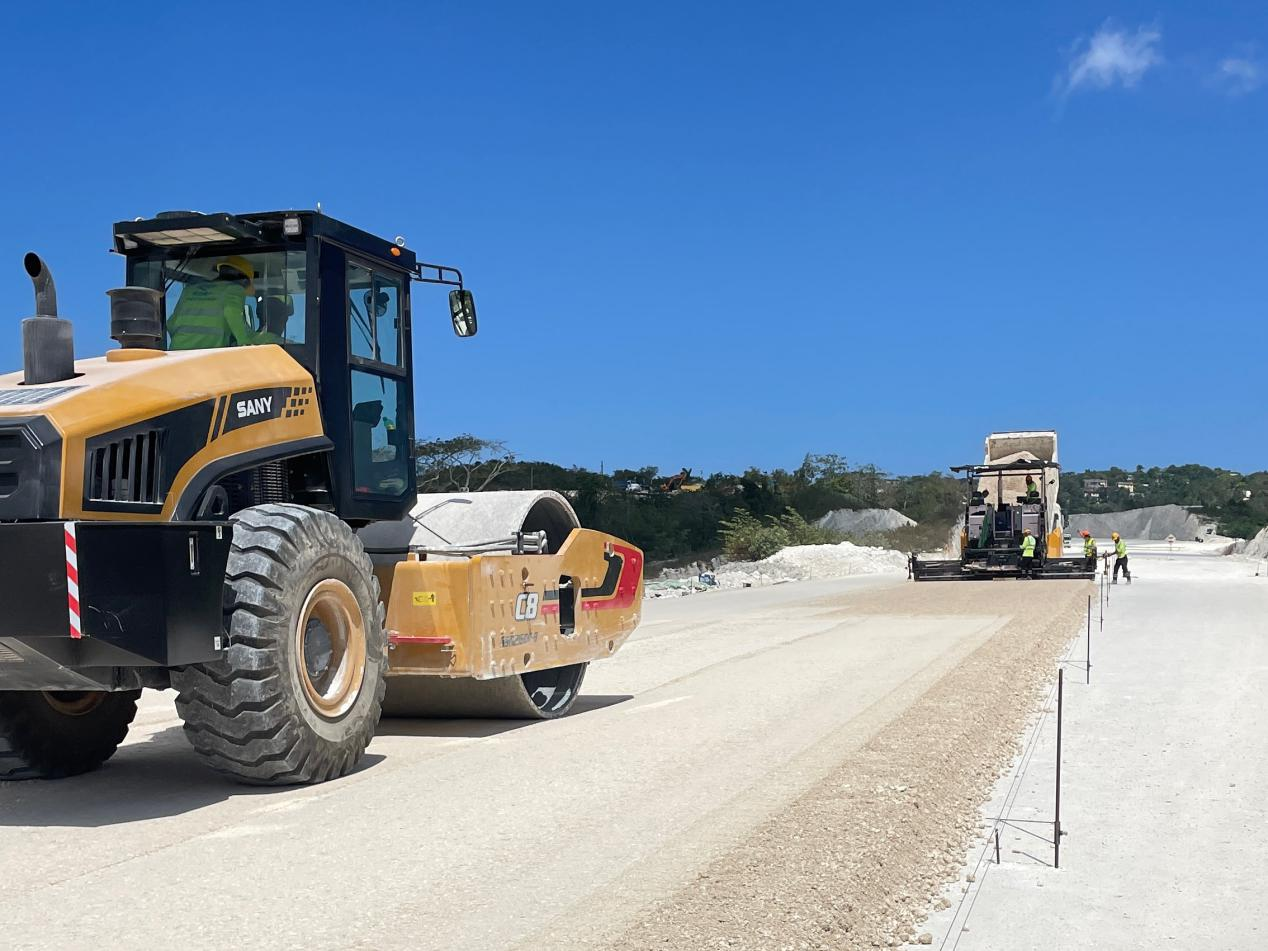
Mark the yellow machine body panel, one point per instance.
(211, 405)
(497, 615)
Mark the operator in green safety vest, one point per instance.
(1027, 554)
(1120, 558)
(1089, 549)
(1032, 490)
(214, 313)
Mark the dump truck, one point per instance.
(226, 505)
(1012, 491)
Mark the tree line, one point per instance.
(677, 519)
(689, 520)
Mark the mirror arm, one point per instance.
(438, 274)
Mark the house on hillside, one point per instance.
(1094, 488)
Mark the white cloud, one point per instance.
(1113, 56)
(1237, 75)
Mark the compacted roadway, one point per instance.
(1163, 778)
(722, 713)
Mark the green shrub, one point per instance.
(766, 541)
(747, 538)
(927, 536)
(801, 532)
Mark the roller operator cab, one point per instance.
(329, 307)
(185, 510)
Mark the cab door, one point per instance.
(373, 405)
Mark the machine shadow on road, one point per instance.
(479, 729)
(158, 778)
(162, 777)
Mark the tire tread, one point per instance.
(239, 711)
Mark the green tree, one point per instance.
(462, 463)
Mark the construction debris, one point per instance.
(677, 587)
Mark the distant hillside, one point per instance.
(1236, 502)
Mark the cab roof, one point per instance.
(260, 228)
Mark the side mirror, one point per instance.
(462, 310)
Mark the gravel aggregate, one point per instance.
(858, 859)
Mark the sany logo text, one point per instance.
(255, 407)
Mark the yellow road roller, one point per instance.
(226, 504)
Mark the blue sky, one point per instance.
(712, 235)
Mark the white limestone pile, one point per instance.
(864, 521)
(810, 562)
(1256, 547)
(1155, 523)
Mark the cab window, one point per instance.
(380, 448)
(374, 315)
(219, 299)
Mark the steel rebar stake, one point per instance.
(1089, 638)
(1056, 821)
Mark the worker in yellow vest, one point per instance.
(1027, 554)
(1089, 549)
(214, 313)
(1120, 558)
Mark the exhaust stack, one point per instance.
(48, 346)
(45, 289)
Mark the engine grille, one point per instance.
(127, 470)
(266, 483)
(13, 449)
(30, 469)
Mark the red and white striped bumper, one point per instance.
(72, 582)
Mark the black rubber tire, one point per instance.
(247, 714)
(39, 741)
(540, 695)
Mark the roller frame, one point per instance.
(481, 635)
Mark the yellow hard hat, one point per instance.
(1114, 535)
(240, 264)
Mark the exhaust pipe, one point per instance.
(48, 346)
(45, 289)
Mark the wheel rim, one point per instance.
(330, 648)
(74, 703)
(553, 691)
